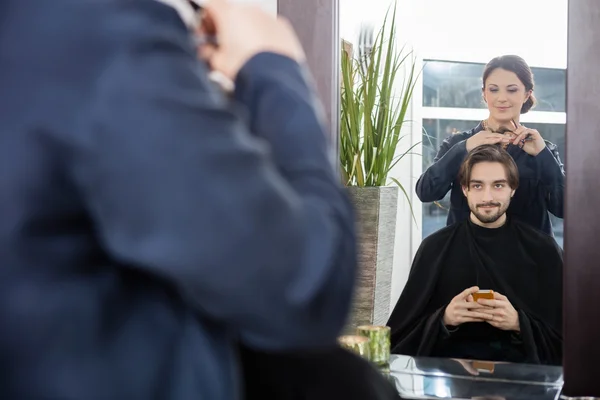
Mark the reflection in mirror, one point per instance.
(449, 367)
(441, 311)
(484, 183)
(456, 86)
(434, 378)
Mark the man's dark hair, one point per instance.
(489, 153)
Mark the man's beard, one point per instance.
(489, 218)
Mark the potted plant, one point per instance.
(377, 87)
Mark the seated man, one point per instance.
(436, 314)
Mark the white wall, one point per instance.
(478, 30)
(459, 30)
(270, 5)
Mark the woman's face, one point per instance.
(504, 94)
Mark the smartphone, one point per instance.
(484, 366)
(483, 294)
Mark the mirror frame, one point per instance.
(581, 291)
(317, 24)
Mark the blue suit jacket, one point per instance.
(144, 230)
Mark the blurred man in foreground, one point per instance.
(144, 230)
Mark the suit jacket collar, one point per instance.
(185, 11)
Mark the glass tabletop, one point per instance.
(442, 378)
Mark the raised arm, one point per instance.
(254, 233)
(552, 175)
(437, 180)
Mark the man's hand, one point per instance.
(242, 31)
(503, 314)
(467, 365)
(463, 309)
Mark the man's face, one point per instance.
(488, 193)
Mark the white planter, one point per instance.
(376, 210)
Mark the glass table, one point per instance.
(443, 378)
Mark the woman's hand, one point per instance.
(486, 137)
(528, 139)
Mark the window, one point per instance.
(452, 104)
(458, 85)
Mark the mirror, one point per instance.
(518, 259)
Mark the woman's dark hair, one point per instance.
(489, 153)
(517, 65)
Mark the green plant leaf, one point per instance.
(375, 98)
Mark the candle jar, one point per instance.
(356, 344)
(379, 342)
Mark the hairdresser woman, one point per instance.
(508, 92)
